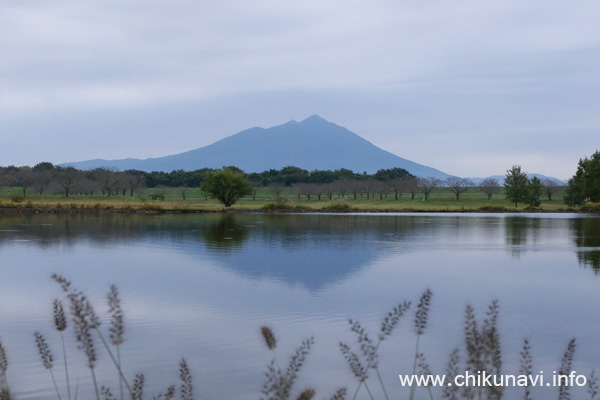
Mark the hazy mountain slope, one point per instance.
(310, 144)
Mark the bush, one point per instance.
(338, 207)
(273, 206)
(157, 196)
(17, 197)
(591, 207)
(493, 208)
(284, 207)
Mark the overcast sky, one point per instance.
(468, 87)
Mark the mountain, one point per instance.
(310, 144)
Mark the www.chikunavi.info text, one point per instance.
(483, 379)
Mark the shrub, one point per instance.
(273, 206)
(17, 197)
(157, 196)
(493, 208)
(591, 207)
(338, 207)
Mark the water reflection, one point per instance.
(206, 283)
(520, 231)
(308, 250)
(225, 233)
(586, 235)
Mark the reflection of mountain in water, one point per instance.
(586, 235)
(312, 251)
(308, 250)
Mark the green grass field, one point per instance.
(440, 200)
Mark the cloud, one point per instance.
(494, 66)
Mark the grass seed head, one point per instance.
(60, 321)
(269, 337)
(308, 394)
(44, 350)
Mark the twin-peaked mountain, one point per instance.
(310, 144)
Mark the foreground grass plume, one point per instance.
(526, 366)
(421, 316)
(60, 323)
(369, 349)
(4, 392)
(279, 383)
(566, 366)
(187, 389)
(117, 329)
(269, 337)
(482, 350)
(137, 392)
(46, 357)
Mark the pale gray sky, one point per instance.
(468, 87)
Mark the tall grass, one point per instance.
(482, 353)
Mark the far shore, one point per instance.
(193, 201)
(269, 209)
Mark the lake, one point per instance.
(201, 286)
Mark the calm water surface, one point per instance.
(200, 287)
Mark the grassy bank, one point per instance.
(171, 200)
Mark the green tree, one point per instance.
(516, 185)
(43, 166)
(585, 184)
(226, 186)
(291, 175)
(390, 173)
(534, 188)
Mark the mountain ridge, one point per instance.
(313, 143)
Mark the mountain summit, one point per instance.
(313, 143)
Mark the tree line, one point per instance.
(317, 184)
(583, 187)
(45, 177)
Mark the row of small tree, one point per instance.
(45, 177)
(411, 186)
(372, 188)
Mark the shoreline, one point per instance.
(283, 210)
